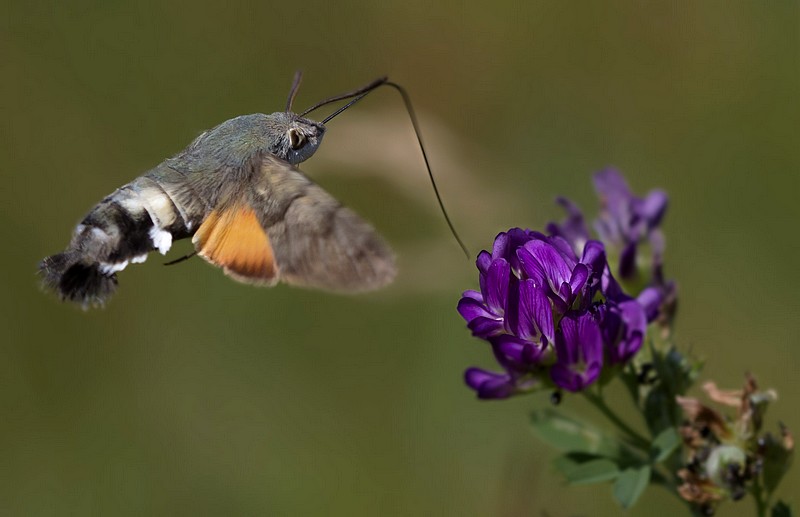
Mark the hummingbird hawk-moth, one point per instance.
(237, 193)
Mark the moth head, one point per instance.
(294, 138)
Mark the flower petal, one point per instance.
(653, 207)
(650, 300)
(484, 328)
(483, 261)
(565, 248)
(495, 288)
(610, 287)
(657, 243)
(559, 305)
(605, 228)
(579, 276)
(614, 223)
(612, 187)
(507, 243)
(573, 229)
(565, 293)
(471, 293)
(509, 348)
(623, 326)
(489, 385)
(544, 264)
(536, 313)
(633, 316)
(579, 351)
(501, 245)
(594, 256)
(471, 308)
(566, 378)
(514, 353)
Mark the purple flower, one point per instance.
(496, 309)
(579, 349)
(623, 326)
(527, 284)
(550, 306)
(531, 328)
(627, 220)
(489, 385)
(650, 300)
(573, 229)
(510, 312)
(485, 310)
(623, 320)
(554, 268)
(506, 245)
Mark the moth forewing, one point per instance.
(317, 241)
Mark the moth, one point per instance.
(237, 193)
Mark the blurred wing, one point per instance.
(284, 227)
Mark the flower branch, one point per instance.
(570, 311)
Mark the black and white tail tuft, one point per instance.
(75, 281)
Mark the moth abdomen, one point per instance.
(120, 230)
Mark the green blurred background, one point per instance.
(191, 394)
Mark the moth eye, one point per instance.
(296, 139)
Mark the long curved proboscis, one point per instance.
(360, 93)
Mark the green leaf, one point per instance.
(660, 409)
(630, 484)
(674, 375)
(781, 509)
(677, 370)
(664, 445)
(571, 435)
(777, 461)
(594, 471)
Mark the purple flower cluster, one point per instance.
(625, 222)
(550, 306)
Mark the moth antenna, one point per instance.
(298, 78)
(180, 259)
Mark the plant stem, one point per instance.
(638, 440)
(762, 504)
